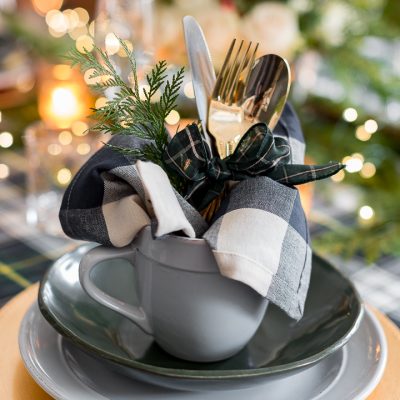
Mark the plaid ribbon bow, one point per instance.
(258, 153)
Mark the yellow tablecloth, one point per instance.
(16, 383)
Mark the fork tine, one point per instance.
(230, 72)
(250, 65)
(236, 79)
(220, 79)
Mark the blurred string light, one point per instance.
(368, 170)
(4, 171)
(354, 163)
(84, 43)
(65, 138)
(362, 134)
(74, 22)
(83, 149)
(188, 90)
(79, 128)
(338, 177)
(54, 149)
(44, 6)
(350, 114)
(112, 44)
(366, 212)
(371, 126)
(101, 102)
(173, 118)
(6, 140)
(64, 176)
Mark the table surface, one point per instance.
(16, 383)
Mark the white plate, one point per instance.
(67, 373)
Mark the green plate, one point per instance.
(280, 347)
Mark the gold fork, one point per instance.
(226, 119)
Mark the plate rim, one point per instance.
(201, 374)
(39, 375)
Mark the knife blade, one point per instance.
(203, 74)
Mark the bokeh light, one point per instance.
(350, 114)
(368, 170)
(79, 128)
(362, 134)
(64, 176)
(371, 126)
(65, 138)
(366, 212)
(4, 171)
(6, 140)
(173, 118)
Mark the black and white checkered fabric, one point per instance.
(259, 236)
(26, 252)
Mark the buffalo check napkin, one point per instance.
(259, 235)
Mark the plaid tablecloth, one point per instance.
(26, 253)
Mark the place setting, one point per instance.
(198, 279)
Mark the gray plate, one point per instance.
(66, 372)
(281, 346)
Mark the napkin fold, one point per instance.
(259, 235)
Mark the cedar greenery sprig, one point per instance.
(132, 111)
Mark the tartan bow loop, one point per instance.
(257, 153)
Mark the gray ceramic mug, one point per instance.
(190, 309)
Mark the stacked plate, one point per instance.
(77, 349)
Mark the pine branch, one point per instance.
(132, 111)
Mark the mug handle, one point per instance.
(88, 262)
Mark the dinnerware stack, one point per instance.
(172, 326)
(76, 348)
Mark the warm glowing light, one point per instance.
(338, 177)
(83, 149)
(84, 43)
(4, 171)
(55, 33)
(362, 134)
(101, 102)
(366, 212)
(1, 116)
(350, 114)
(44, 6)
(78, 32)
(91, 28)
(62, 106)
(83, 15)
(79, 128)
(57, 21)
(371, 126)
(173, 118)
(188, 90)
(368, 170)
(6, 140)
(62, 72)
(359, 156)
(72, 17)
(64, 176)
(89, 79)
(65, 138)
(54, 149)
(353, 163)
(62, 101)
(112, 44)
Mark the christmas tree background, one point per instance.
(346, 89)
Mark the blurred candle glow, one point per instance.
(63, 97)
